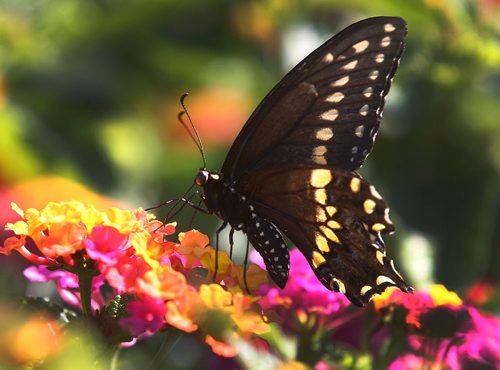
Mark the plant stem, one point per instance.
(85, 282)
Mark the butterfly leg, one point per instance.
(222, 227)
(245, 264)
(231, 243)
(190, 225)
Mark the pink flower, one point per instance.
(481, 344)
(66, 284)
(105, 244)
(144, 316)
(408, 361)
(303, 293)
(125, 274)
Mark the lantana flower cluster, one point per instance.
(440, 330)
(94, 256)
(100, 260)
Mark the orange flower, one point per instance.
(193, 245)
(247, 322)
(255, 278)
(164, 283)
(180, 312)
(35, 340)
(63, 239)
(221, 348)
(214, 296)
(223, 262)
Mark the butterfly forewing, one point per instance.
(327, 110)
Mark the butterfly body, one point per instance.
(293, 166)
(227, 203)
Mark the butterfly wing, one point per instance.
(335, 218)
(327, 110)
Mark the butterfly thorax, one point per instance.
(227, 203)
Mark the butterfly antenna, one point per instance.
(181, 120)
(199, 143)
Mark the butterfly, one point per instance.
(292, 169)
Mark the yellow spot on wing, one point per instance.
(320, 215)
(369, 206)
(320, 178)
(378, 227)
(331, 210)
(321, 243)
(330, 234)
(355, 184)
(320, 196)
(317, 259)
(380, 257)
(334, 225)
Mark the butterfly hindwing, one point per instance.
(327, 110)
(336, 219)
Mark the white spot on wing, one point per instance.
(318, 155)
(374, 192)
(389, 27)
(324, 134)
(365, 289)
(329, 115)
(350, 66)
(328, 58)
(339, 283)
(373, 75)
(335, 97)
(364, 110)
(379, 58)
(368, 92)
(359, 131)
(386, 41)
(381, 279)
(341, 81)
(361, 46)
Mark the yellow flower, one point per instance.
(442, 296)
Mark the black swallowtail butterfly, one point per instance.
(292, 167)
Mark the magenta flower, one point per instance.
(66, 284)
(453, 337)
(144, 316)
(303, 294)
(105, 244)
(481, 343)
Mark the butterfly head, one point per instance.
(203, 177)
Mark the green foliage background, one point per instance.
(89, 91)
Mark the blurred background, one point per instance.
(89, 96)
